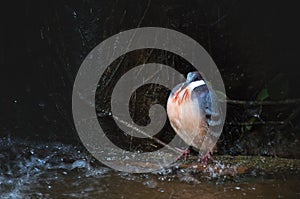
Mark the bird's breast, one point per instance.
(186, 117)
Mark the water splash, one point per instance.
(56, 170)
(26, 165)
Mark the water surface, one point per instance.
(55, 170)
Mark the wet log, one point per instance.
(236, 165)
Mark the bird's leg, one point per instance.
(207, 157)
(184, 153)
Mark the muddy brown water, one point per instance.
(55, 170)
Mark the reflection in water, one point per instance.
(57, 170)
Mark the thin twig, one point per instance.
(253, 103)
(145, 134)
(292, 116)
(255, 123)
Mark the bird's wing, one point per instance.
(209, 106)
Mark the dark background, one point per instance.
(255, 44)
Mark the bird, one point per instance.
(194, 114)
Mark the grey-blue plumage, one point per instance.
(194, 113)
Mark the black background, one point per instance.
(44, 42)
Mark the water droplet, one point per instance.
(31, 151)
(74, 14)
(150, 184)
(41, 105)
(79, 164)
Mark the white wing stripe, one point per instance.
(195, 84)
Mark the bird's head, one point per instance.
(193, 76)
(183, 90)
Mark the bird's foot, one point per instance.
(206, 157)
(184, 153)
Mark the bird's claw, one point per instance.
(184, 153)
(205, 158)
